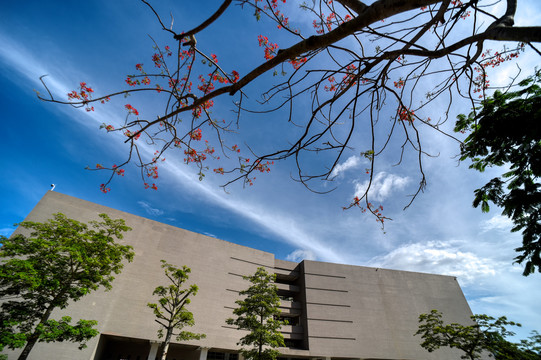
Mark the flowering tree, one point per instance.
(351, 61)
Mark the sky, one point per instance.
(100, 42)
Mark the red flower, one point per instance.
(131, 109)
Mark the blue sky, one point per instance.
(100, 42)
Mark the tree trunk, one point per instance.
(260, 340)
(33, 339)
(162, 355)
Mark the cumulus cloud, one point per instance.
(299, 255)
(351, 163)
(382, 186)
(497, 222)
(438, 257)
(149, 209)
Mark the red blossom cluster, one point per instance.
(104, 189)
(118, 171)
(168, 50)
(499, 58)
(197, 111)
(263, 167)
(332, 87)
(184, 54)
(153, 187)
(348, 79)
(131, 82)
(193, 156)
(270, 48)
(328, 22)
(135, 135)
(84, 95)
(399, 84)
(376, 210)
(131, 110)
(196, 134)
(152, 171)
(405, 114)
(158, 60)
(481, 81)
(297, 62)
(350, 76)
(205, 86)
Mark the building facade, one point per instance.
(334, 311)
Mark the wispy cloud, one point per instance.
(383, 185)
(351, 163)
(300, 254)
(149, 209)
(284, 225)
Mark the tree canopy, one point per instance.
(505, 132)
(484, 335)
(61, 260)
(257, 313)
(333, 75)
(170, 310)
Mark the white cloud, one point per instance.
(299, 255)
(438, 257)
(382, 186)
(351, 163)
(149, 209)
(497, 222)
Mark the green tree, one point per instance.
(170, 311)
(62, 260)
(485, 335)
(506, 132)
(257, 313)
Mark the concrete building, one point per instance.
(335, 311)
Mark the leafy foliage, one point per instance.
(256, 313)
(62, 260)
(485, 335)
(506, 132)
(170, 311)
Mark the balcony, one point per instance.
(292, 332)
(287, 288)
(291, 308)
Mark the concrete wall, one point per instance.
(347, 311)
(355, 311)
